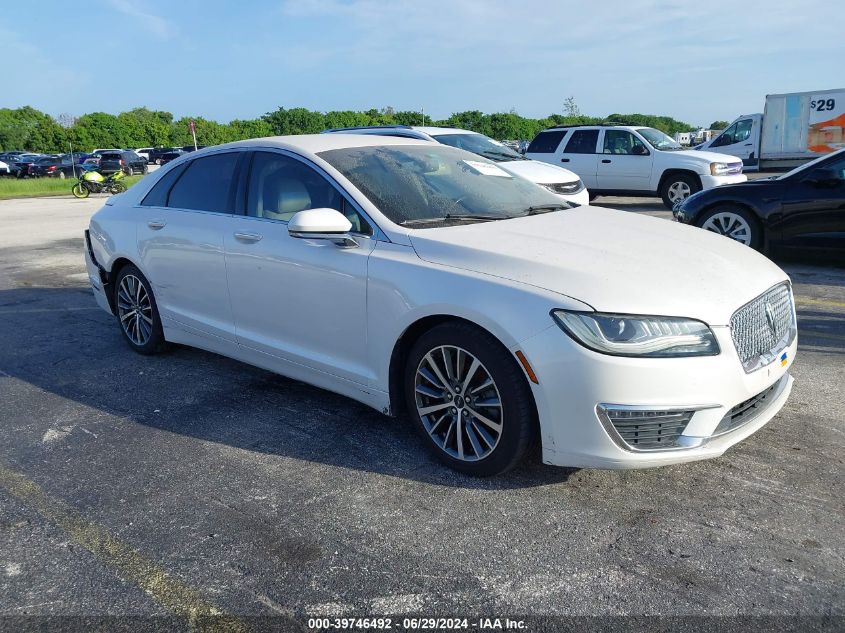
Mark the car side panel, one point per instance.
(402, 289)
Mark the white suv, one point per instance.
(634, 161)
(561, 182)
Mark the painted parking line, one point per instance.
(829, 303)
(131, 564)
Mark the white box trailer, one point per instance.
(792, 129)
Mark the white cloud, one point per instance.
(155, 24)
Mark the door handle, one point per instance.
(749, 144)
(564, 160)
(248, 237)
(605, 160)
(155, 225)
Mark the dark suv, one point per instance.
(157, 152)
(126, 161)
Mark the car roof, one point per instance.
(315, 143)
(400, 130)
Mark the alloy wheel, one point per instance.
(678, 191)
(730, 225)
(458, 403)
(135, 310)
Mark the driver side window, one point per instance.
(280, 187)
(727, 137)
(623, 142)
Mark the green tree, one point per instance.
(295, 121)
(29, 129)
(718, 125)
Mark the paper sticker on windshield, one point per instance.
(487, 169)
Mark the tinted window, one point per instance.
(622, 142)
(206, 184)
(546, 142)
(582, 142)
(157, 197)
(110, 156)
(280, 186)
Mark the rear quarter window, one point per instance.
(546, 142)
(582, 142)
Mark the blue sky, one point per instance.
(696, 61)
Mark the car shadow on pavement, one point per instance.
(59, 341)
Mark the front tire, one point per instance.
(678, 187)
(469, 399)
(79, 190)
(137, 312)
(734, 222)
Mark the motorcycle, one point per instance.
(94, 182)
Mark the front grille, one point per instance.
(746, 411)
(763, 327)
(647, 430)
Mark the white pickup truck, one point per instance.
(633, 161)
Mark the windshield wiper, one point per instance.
(454, 216)
(545, 208)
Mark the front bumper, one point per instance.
(581, 198)
(708, 182)
(574, 382)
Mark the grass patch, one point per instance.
(39, 187)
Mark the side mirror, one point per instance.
(822, 177)
(322, 224)
(639, 150)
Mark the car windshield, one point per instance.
(810, 165)
(481, 145)
(658, 140)
(417, 185)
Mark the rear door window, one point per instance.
(206, 184)
(582, 142)
(157, 196)
(546, 142)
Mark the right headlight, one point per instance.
(636, 335)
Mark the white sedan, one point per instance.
(423, 278)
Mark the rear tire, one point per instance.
(678, 187)
(137, 312)
(471, 426)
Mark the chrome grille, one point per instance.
(647, 430)
(745, 411)
(763, 327)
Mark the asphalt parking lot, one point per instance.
(189, 486)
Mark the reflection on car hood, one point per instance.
(713, 157)
(614, 261)
(535, 171)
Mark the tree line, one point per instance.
(29, 129)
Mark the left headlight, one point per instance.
(634, 335)
(564, 188)
(720, 169)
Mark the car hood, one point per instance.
(711, 157)
(614, 261)
(535, 171)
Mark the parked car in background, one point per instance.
(4, 168)
(170, 156)
(558, 180)
(415, 277)
(802, 210)
(635, 161)
(144, 152)
(92, 160)
(20, 168)
(123, 160)
(53, 167)
(191, 148)
(100, 152)
(156, 153)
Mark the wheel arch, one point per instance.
(673, 171)
(118, 264)
(406, 341)
(752, 212)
